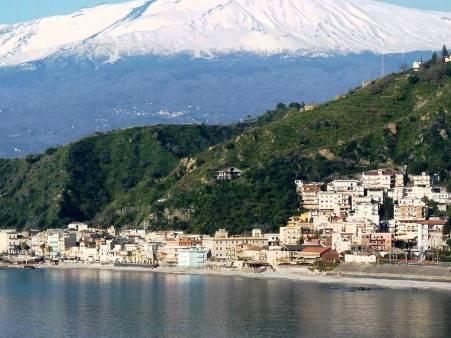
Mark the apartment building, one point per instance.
(308, 193)
(379, 179)
(221, 243)
(378, 241)
(409, 210)
(422, 180)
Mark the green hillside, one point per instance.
(163, 176)
(100, 174)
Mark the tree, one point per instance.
(294, 105)
(449, 242)
(434, 59)
(447, 227)
(43, 247)
(386, 210)
(445, 52)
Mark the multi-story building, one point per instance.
(290, 234)
(7, 241)
(273, 239)
(295, 230)
(422, 180)
(359, 230)
(221, 243)
(330, 201)
(342, 242)
(422, 237)
(409, 210)
(55, 242)
(441, 196)
(193, 257)
(366, 209)
(379, 179)
(406, 231)
(308, 193)
(352, 188)
(397, 193)
(436, 240)
(378, 241)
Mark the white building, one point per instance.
(5, 240)
(422, 180)
(423, 237)
(228, 174)
(55, 243)
(379, 179)
(361, 259)
(290, 234)
(273, 239)
(342, 242)
(193, 257)
(78, 226)
(333, 202)
(366, 209)
(376, 195)
(440, 196)
(350, 187)
(397, 193)
(416, 66)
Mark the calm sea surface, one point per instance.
(75, 303)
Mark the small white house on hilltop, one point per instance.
(417, 65)
(228, 174)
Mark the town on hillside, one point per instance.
(380, 216)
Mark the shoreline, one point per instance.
(290, 274)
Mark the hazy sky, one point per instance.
(21, 10)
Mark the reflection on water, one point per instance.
(84, 303)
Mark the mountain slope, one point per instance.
(400, 120)
(164, 176)
(79, 180)
(209, 27)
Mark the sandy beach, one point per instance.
(301, 274)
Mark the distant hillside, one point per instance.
(164, 176)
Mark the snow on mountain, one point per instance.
(209, 27)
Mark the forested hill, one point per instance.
(163, 176)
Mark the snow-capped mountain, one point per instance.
(209, 27)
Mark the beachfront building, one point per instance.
(221, 244)
(194, 257)
(361, 259)
(8, 239)
(55, 243)
(273, 239)
(311, 255)
(342, 242)
(378, 242)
